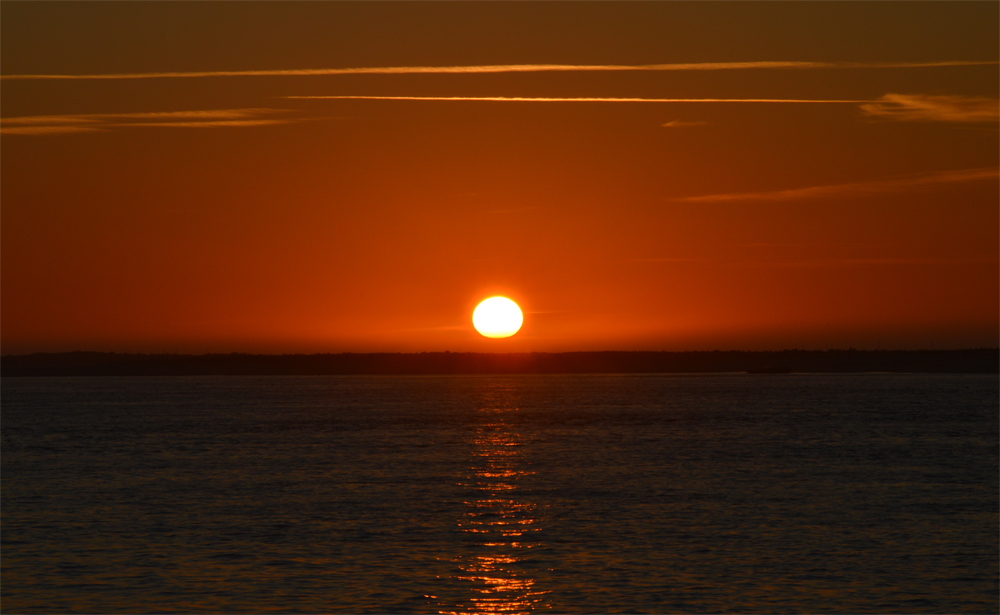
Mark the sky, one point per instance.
(355, 177)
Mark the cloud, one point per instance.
(514, 68)
(869, 262)
(443, 328)
(579, 99)
(891, 184)
(683, 124)
(46, 130)
(210, 124)
(97, 122)
(661, 260)
(823, 262)
(925, 108)
(511, 210)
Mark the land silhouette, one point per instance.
(978, 361)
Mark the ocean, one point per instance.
(864, 493)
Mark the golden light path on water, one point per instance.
(499, 522)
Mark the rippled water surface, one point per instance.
(474, 494)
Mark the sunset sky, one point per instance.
(329, 177)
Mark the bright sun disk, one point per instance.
(497, 317)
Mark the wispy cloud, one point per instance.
(511, 210)
(211, 124)
(661, 260)
(96, 122)
(868, 262)
(581, 99)
(443, 328)
(925, 108)
(46, 130)
(891, 184)
(822, 262)
(684, 124)
(513, 68)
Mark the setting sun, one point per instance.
(497, 317)
(243, 241)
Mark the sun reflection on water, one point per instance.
(499, 523)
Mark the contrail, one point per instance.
(513, 68)
(583, 99)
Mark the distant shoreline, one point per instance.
(969, 361)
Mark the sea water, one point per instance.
(872, 493)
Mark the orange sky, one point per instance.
(659, 183)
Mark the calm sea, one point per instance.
(488, 494)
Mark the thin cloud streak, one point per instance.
(866, 262)
(215, 114)
(925, 108)
(579, 99)
(661, 260)
(444, 328)
(47, 130)
(100, 122)
(892, 184)
(511, 210)
(684, 124)
(210, 124)
(513, 68)
(821, 263)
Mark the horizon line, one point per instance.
(527, 352)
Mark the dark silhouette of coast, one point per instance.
(976, 361)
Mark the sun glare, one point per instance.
(497, 317)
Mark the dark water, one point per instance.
(635, 493)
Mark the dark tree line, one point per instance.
(981, 360)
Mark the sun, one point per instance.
(497, 317)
